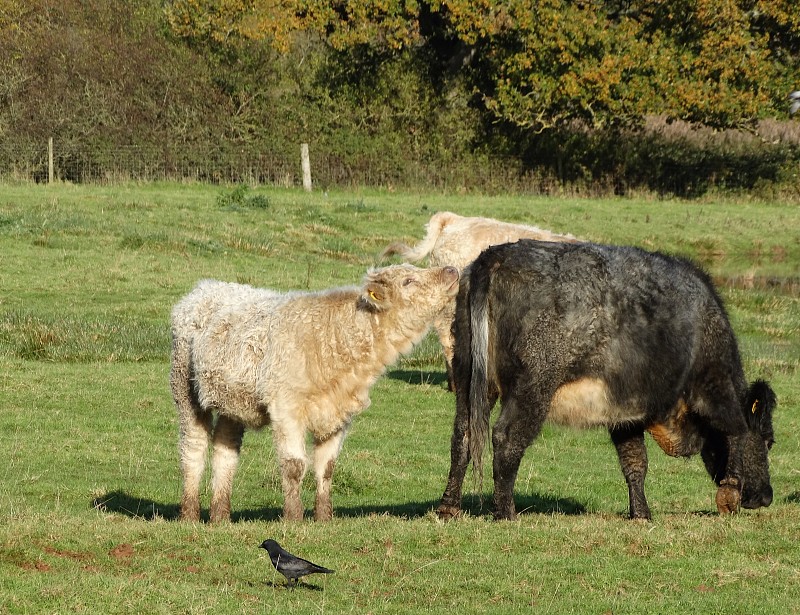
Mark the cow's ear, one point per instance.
(375, 296)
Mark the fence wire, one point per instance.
(236, 165)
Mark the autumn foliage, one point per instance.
(387, 90)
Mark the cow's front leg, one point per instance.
(224, 461)
(632, 453)
(729, 493)
(325, 454)
(290, 444)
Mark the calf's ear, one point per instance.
(375, 296)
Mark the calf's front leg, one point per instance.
(326, 451)
(289, 439)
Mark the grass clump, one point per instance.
(241, 197)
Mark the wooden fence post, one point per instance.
(306, 164)
(50, 160)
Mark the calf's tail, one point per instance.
(479, 408)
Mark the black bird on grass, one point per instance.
(290, 566)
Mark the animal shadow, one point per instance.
(135, 507)
(793, 498)
(132, 506)
(301, 585)
(418, 376)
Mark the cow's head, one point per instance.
(756, 490)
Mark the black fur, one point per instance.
(534, 316)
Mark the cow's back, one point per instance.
(462, 239)
(615, 331)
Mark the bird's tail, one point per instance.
(323, 570)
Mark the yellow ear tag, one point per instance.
(753, 409)
(374, 296)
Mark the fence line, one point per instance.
(230, 164)
(238, 165)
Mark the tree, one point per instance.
(538, 64)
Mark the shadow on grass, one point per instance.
(418, 376)
(793, 498)
(143, 508)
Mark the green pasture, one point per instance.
(89, 484)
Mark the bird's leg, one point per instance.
(325, 455)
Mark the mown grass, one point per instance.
(90, 485)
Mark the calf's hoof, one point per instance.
(323, 514)
(728, 496)
(446, 513)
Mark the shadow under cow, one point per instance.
(419, 377)
(132, 506)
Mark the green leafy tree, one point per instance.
(545, 63)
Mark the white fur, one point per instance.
(302, 361)
(456, 240)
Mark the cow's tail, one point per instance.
(479, 408)
(423, 248)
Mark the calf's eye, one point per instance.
(408, 281)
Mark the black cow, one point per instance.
(591, 335)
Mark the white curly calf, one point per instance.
(300, 361)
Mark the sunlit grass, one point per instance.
(89, 487)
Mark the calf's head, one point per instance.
(756, 490)
(405, 287)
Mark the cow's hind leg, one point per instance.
(325, 454)
(629, 441)
(517, 426)
(227, 444)
(450, 505)
(290, 444)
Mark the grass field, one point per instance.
(90, 485)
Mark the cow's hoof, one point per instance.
(728, 497)
(506, 516)
(445, 513)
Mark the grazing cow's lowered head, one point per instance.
(757, 490)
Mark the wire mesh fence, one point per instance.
(663, 170)
(241, 165)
